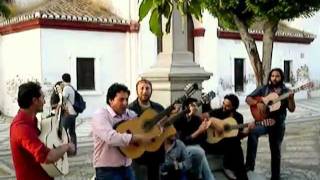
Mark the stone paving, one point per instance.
(300, 151)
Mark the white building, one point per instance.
(100, 42)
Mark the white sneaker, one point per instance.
(230, 174)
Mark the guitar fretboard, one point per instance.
(286, 95)
(239, 126)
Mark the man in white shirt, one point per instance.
(69, 119)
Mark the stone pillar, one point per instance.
(175, 66)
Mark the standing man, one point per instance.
(233, 160)
(276, 132)
(108, 161)
(26, 148)
(69, 118)
(151, 160)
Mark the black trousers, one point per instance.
(233, 158)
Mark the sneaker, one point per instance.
(230, 174)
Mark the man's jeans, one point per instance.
(200, 165)
(276, 134)
(115, 173)
(69, 123)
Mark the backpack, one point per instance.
(79, 104)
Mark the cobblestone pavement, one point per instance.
(300, 151)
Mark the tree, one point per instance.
(4, 9)
(236, 15)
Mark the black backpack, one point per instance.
(79, 104)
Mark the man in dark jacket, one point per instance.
(151, 160)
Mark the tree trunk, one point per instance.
(269, 31)
(252, 50)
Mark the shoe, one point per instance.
(230, 174)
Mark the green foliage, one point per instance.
(164, 8)
(4, 9)
(247, 11)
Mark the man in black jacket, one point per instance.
(151, 160)
(229, 147)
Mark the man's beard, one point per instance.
(274, 84)
(226, 113)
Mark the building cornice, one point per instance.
(69, 25)
(285, 38)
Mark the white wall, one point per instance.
(220, 62)
(60, 48)
(311, 25)
(2, 94)
(20, 55)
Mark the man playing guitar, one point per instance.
(108, 161)
(151, 160)
(233, 160)
(27, 149)
(276, 132)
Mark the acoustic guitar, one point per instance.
(148, 125)
(231, 129)
(53, 135)
(273, 102)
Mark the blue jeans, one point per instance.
(276, 134)
(115, 173)
(200, 166)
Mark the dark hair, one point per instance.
(188, 101)
(280, 72)
(143, 81)
(54, 99)
(66, 77)
(114, 89)
(27, 92)
(234, 100)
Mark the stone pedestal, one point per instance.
(175, 67)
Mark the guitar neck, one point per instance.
(175, 117)
(239, 126)
(286, 95)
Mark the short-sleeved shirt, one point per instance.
(278, 115)
(27, 149)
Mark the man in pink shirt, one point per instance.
(108, 161)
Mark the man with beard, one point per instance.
(151, 160)
(276, 132)
(230, 148)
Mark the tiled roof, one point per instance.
(69, 10)
(283, 31)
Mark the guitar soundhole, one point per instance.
(135, 144)
(128, 131)
(153, 139)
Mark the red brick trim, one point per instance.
(71, 25)
(258, 37)
(198, 32)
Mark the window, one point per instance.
(287, 69)
(85, 74)
(238, 74)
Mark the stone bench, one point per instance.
(215, 163)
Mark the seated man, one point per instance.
(229, 147)
(191, 130)
(177, 160)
